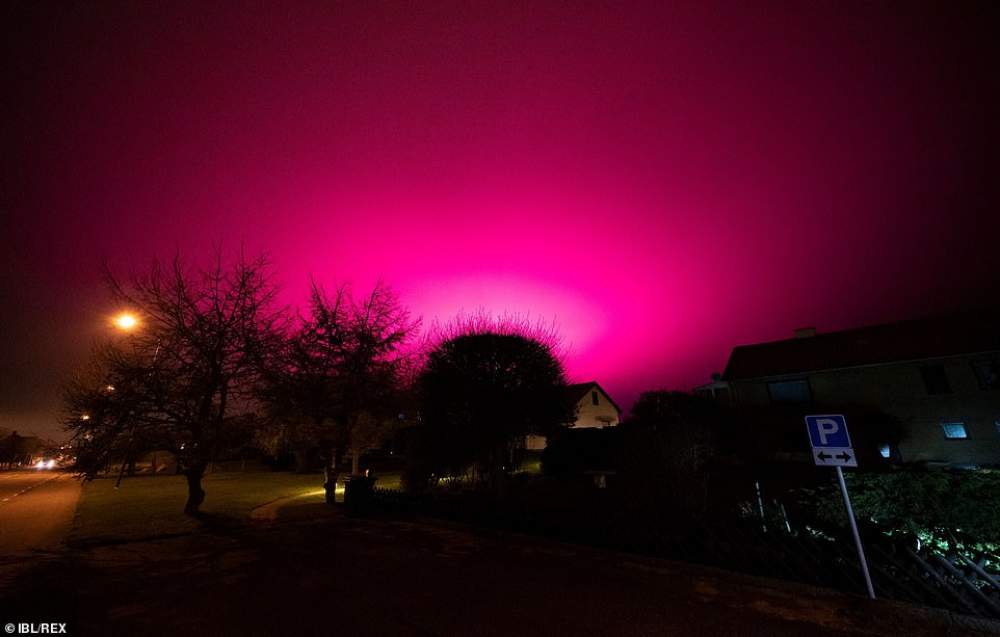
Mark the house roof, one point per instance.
(879, 344)
(579, 391)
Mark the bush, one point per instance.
(940, 506)
(574, 451)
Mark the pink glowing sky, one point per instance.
(663, 182)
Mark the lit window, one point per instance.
(593, 397)
(885, 451)
(789, 391)
(954, 430)
(935, 379)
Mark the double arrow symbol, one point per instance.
(824, 456)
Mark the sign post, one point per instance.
(831, 447)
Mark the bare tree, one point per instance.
(186, 378)
(339, 376)
(301, 385)
(376, 365)
(107, 403)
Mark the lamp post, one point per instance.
(128, 322)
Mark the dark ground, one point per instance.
(319, 572)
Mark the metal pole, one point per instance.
(854, 530)
(760, 506)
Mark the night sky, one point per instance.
(664, 181)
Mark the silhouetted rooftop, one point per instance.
(878, 344)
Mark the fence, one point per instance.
(952, 582)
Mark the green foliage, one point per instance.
(574, 451)
(947, 508)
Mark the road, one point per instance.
(323, 574)
(36, 511)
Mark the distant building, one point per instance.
(940, 378)
(717, 390)
(594, 408)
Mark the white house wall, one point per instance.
(588, 414)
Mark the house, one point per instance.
(939, 378)
(717, 390)
(594, 408)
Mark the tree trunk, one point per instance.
(196, 495)
(330, 473)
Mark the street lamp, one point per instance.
(126, 321)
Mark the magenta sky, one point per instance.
(665, 183)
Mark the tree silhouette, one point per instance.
(301, 384)
(339, 375)
(483, 388)
(186, 378)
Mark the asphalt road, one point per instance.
(36, 511)
(325, 574)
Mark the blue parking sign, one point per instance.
(831, 447)
(828, 431)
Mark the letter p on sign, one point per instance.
(826, 427)
(828, 431)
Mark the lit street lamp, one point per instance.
(129, 322)
(126, 321)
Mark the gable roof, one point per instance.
(579, 391)
(874, 345)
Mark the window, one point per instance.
(935, 380)
(594, 399)
(885, 451)
(954, 430)
(789, 391)
(987, 373)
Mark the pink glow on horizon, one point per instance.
(563, 261)
(662, 180)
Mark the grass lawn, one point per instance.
(391, 481)
(531, 463)
(153, 505)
